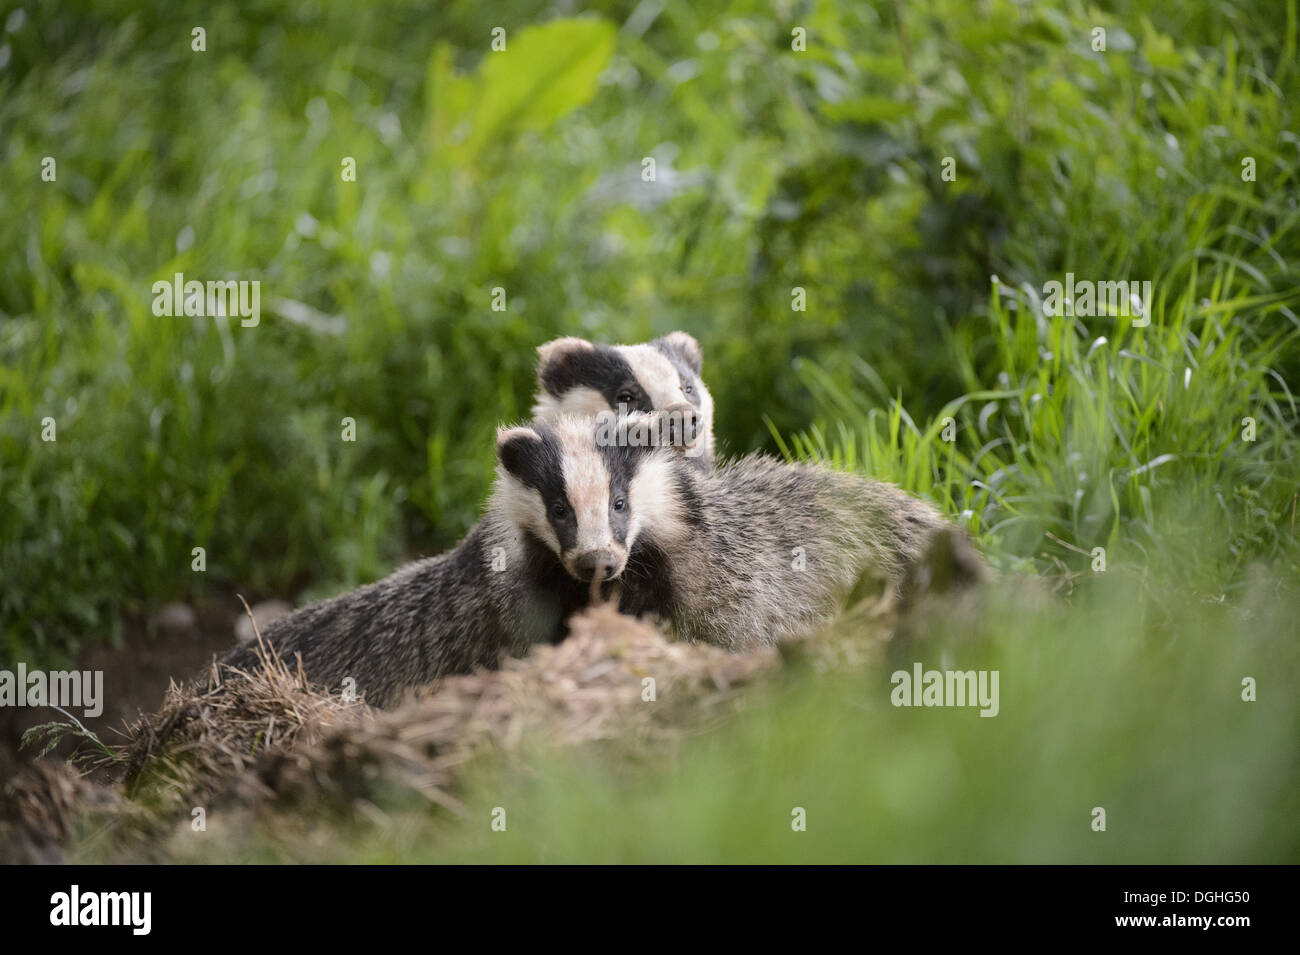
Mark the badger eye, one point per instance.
(559, 509)
(619, 505)
(625, 398)
(688, 389)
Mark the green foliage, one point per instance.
(776, 170)
(1110, 712)
(552, 70)
(521, 170)
(1132, 702)
(1145, 443)
(43, 738)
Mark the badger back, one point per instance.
(771, 549)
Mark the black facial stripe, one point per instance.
(690, 386)
(600, 368)
(621, 461)
(565, 527)
(540, 465)
(618, 520)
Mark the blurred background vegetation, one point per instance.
(776, 169)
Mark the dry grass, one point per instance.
(268, 743)
(590, 687)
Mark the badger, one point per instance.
(753, 553)
(558, 528)
(576, 377)
(510, 582)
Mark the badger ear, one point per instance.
(516, 447)
(685, 347)
(554, 354)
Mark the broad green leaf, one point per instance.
(544, 73)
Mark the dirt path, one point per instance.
(135, 676)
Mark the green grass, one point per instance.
(1128, 703)
(1110, 712)
(1145, 441)
(819, 170)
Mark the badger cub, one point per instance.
(559, 522)
(576, 377)
(513, 581)
(753, 553)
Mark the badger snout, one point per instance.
(685, 424)
(596, 565)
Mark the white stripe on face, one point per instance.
(706, 417)
(654, 505)
(586, 482)
(663, 385)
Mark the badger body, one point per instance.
(496, 593)
(762, 551)
(754, 552)
(578, 378)
(513, 581)
(556, 521)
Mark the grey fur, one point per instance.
(453, 613)
(756, 552)
(443, 615)
(729, 570)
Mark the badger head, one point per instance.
(588, 487)
(577, 377)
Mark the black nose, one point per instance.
(594, 562)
